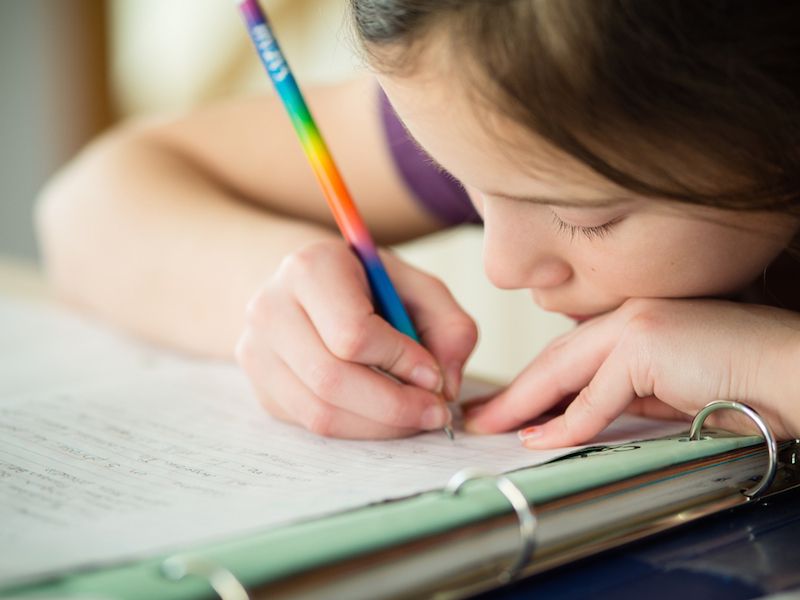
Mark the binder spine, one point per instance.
(228, 587)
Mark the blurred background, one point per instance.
(72, 68)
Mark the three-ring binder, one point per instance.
(228, 587)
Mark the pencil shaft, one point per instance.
(385, 296)
(344, 210)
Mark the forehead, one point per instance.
(481, 147)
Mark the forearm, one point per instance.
(764, 365)
(785, 387)
(137, 235)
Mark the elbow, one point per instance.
(70, 214)
(58, 225)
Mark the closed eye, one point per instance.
(590, 232)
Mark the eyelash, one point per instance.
(595, 232)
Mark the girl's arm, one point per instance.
(168, 228)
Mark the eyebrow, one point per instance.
(593, 203)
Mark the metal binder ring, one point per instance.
(525, 514)
(222, 580)
(772, 445)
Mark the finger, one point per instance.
(560, 370)
(445, 329)
(259, 366)
(595, 407)
(327, 420)
(347, 323)
(286, 398)
(653, 408)
(256, 371)
(353, 387)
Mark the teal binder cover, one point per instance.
(283, 551)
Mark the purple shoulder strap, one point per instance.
(437, 191)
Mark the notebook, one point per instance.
(115, 455)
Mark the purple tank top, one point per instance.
(436, 190)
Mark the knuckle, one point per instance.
(259, 309)
(245, 352)
(439, 286)
(644, 325)
(296, 264)
(394, 358)
(549, 355)
(591, 409)
(306, 260)
(321, 419)
(252, 312)
(324, 378)
(587, 401)
(567, 429)
(348, 342)
(561, 340)
(465, 330)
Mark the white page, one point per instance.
(110, 450)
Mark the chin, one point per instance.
(578, 318)
(578, 313)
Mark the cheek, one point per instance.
(681, 260)
(731, 264)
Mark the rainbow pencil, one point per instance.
(347, 217)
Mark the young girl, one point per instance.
(635, 165)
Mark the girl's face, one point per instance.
(581, 244)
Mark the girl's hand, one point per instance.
(314, 347)
(662, 358)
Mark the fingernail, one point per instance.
(427, 378)
(436, 416)
(452, 380)
(529, 433)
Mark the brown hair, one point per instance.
(692, 100)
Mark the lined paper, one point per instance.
(111, 450)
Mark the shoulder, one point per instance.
(435, 189)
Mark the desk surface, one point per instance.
(747, 552)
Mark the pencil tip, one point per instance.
(449, 431)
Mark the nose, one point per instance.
(515, 271)
(521, 253)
